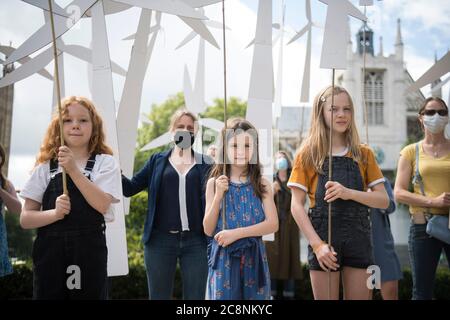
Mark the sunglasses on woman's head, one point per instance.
(432, 112)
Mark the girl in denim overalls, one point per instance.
(70, 253)
(354, 171)
(238, 268)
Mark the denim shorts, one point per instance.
(350, 238)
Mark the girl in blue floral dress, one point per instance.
(238, 267)
(8, 198)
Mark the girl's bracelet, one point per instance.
(317, 247)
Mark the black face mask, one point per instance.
(184, 139)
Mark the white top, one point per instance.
(105, 174)
(182, 195)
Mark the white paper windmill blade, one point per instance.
(278, 90)
(334, 45)
(44, 6)
(162, 140)
(195, 95)
(439, 69)
(212, 123)
(176, 7)
(195, 19)
(275, 39)
(30, 67)
(304, 93)
(43, 36)
(145, 119)
(7, 50)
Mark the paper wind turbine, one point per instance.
(304, 95)
(194, 95)
(103, 98)
(57, 10)
(275, 39)
(43, 36)
(130, 102)
(278, 89)
(260, 97)
(128, 113)
(176, 7)
(279, 86)
(439, 69)
(184, 11)
(334, 46)
(7, 50)
(128, 116)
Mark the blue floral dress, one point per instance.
(5, 264)
(239, 271)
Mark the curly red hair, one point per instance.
(52, 141)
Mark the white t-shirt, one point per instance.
(105, 174)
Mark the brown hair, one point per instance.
(424, 105)
(288, 159)
(314, 148)
(2, 162)
(425, 102)
(51, 143)
(236, 126)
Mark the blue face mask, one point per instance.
(281, 164)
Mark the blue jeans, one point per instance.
(424, 253)
(161, 255)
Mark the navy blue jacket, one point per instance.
(149, 177)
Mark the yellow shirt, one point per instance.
(307, 178)
(435, 174)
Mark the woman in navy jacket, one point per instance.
(173, 231)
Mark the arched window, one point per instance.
(374, 97)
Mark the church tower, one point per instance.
(378, 83)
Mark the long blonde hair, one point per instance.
(52, 141)
(314, 148)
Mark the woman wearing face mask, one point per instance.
(283, 254)
(173, 230)
(434, 168)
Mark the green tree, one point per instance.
(235, 108)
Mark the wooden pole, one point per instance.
(225, 115)
(58, 91)
(330, 175)
(366, 114)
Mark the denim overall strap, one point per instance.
(82, 215)
(346, 172)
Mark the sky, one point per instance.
(425, 31)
